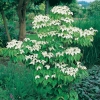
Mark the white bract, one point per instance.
(63, 10)
(49, 55)
(14, 44)
(71, 71)
(38, 68)
(47, 76)
(40, 18)
(47, 66)
(67, 20)
(53, 76)
(72, 51)
(79, 65)
(37, 77)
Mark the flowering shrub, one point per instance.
(55, 59)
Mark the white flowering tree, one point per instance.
(55, 59)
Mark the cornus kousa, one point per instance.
(55, 56)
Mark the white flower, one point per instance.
(68, 36)
(67, 20)
(38, 68)
(53, 76)
(47, 76)
(61, 10)
(52, 33)
(44, 53)
(33, 41)
(31, 57)
(63, 28)
(36, 47)
(76, 39)
(43, 62)
(33, 62)
(79, 65)
(51, 48)
(54, 22)
(40, 36)
(21, 51)
(47, 66)
(49, 55)
(72, 51)
(71, 71)
(26, 39)
(37, 76)
(29, 48)
(14, 43)
(38, 61)
(60, 54)
(60, 65)
(40, 18)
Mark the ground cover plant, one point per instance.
(89, 88)
(55, 58)
(16, 83)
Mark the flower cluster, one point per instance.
(89, 32)
(48, 55)
(63, 10)
(34, 56)
(64, 68)
(14, 44)
(79, 65)
(54, 22)
(67, 20)
(71, 71)
(46, 76)
(40, 21)
(72, 51)
(40, 18)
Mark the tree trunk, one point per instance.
(21, 11)
(22, 23)
(22, 30)
(5, 25)
(46, 6)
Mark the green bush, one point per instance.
(55, 57)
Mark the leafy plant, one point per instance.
(17, 82)
(55, 58)
(3, 94)
(91, 55)
(89, 88)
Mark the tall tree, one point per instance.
(21, 6)
(21, 11)
(4, 6)
(94, 8)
